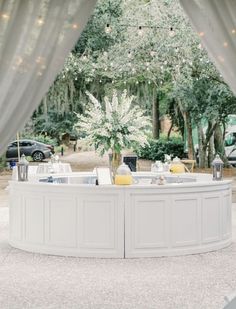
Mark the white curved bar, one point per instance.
(121, 221)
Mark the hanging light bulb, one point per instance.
(152, 53)
(84, 57)
(5, 16)
(75, 26)
(129, 54)
(40, 21)
(140, 31)
(108, 28)
(171, 32)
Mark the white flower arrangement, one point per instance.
(117, 126)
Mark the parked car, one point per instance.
(38, 151)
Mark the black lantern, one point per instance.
(22, 168)
(217, 166)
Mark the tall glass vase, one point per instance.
(115, 161)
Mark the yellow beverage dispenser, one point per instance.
(177, 166)
(123, 175)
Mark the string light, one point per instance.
(140, 31)
(75, 26)
(19, 61)
(84, 57)
(233, 31)
(129, 54)
(171, 32)
(221, 59)
(152, 53)
(201, 33)
(40, 21)
(5, 16)
(108, 28)
(225, 44)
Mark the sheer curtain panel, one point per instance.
(215, 22)
(35, 38)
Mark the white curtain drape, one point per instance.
(215, 22)
(35, 38)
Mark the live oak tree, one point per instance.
(150, 49)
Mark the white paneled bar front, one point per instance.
(120, 221)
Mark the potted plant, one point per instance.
(113, 126)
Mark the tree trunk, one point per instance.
(169, 131)
(155, 116)
(219, 144)
(201, 154)
(188, 127)
(210, 151)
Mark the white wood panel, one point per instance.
(16, 217)
(149, 222)
(61, 221)
(34, 219)
(97, 224)
(101, 224)
(211, 221)
(226, 216)
(185, 220)
(146, 224)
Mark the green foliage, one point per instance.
(158, 148)
(41, 138)
(55, 124)
(94, 38)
